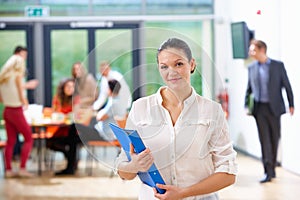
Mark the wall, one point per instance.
(276, 26)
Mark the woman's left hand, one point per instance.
(172, 192)
(25, 104)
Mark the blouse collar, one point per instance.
(186, 102)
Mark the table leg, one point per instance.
(39, 136)
(39, 152)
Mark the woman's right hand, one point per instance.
(141, 162)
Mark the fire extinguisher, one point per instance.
(223, 99)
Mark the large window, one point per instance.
(12, 39)
(67, 47)
(115, 46)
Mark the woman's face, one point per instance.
(23, 54)
(174, 68)
(77, 70)
(69, 88)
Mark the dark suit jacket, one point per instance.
(278, 80)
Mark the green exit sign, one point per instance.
(36, 11)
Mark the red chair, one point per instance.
(2, 146)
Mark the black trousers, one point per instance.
(78, 135)
(268, 126)
(68, 146)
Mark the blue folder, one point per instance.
(126, 138)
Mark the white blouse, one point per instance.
(197, 146)
(9, 90)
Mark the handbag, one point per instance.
(250, 104)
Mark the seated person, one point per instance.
(78, 132)
(112, 111)
(63, 137)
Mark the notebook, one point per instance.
(126, 138)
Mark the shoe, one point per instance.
(10, 174)
(65, 172)
(266, 179)
(25, 174)
(273, 176)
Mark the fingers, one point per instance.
(141, 154)
(143, 160)
(162, 186)
(157, 194)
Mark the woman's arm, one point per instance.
(20, 88)
(90, 92)
(211, 184)
(102, 96)
(55, 104)
(31, 84)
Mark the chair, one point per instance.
(40, 135)
(2, 146)
(93, 144)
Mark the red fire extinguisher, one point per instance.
(223, 99)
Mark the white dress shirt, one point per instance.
(124, 93)
(197, 146)
(114, 110)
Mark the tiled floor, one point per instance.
(285, 187)
(101, 187)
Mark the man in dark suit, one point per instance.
(266, 79)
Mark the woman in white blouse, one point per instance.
(12, 95)
(186, 135)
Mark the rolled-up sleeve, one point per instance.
(224, 156)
